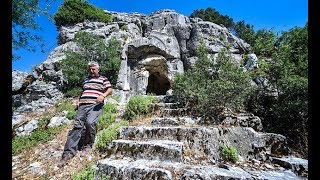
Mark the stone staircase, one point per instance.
(175, 146)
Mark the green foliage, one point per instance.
(210, 14)
(110, 60)
(86, 173)
(39, 136)
(229, 153)
(76, 11)
(75, 70)
(67, 105)
(283, 104)
(264, 43)
(108, 116)
(293, 49)
(74, 67)
(209, 87)
(117, 98)
(24, 25)
(244, 31)
(139, 105)
(124, 27)
(43, 133)
(109, 134)
(74, 92)
(64, 105)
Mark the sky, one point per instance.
(281, 15)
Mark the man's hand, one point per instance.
(76, 105)
(100, 99)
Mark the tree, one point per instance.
(24, 24)
(212, 85)
(92, 48)
(284, 110)
(75, 11)
(244, 31)
(214, 16)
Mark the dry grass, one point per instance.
(49, 154)
(142, 120)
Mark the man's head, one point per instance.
(93, 68)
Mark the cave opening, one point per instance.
(157, 84)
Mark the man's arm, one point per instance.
(104, 95)
(108, 92)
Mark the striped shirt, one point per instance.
(93, 87)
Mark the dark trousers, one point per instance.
(84, 130)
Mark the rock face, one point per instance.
(154, 49)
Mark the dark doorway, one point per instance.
(157, 84)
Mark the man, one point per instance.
(82, 136)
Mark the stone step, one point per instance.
(129, 170)
(206, 142)
(165, 98)
(164, 150)
(173, 121)
(167, 112)
(153, 169)
(163, 105)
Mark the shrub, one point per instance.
(229, 153)
(67, 105)
(108, 116)
(210, 86)
(139, 105)
(282, 105)
(75, 11)
(109, 134)
(74, 92)
(124, 27)
(93, 48)
(74, 69)
(86, 173)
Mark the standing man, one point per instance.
(95, 88)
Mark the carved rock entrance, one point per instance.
(157, 84)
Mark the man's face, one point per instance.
(94, 71)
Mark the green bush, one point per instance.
(93, 48)
(109, 134)
(74, 92)
(74, 69)
(229, 153)
(139, 105)
(124, 27)
(210, 86)
(86, 173)
(76, 11)
(67, 105)
(109, 114)
(282, 105)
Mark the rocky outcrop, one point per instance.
(155, 48)
(182, 147)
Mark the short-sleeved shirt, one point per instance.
(93, 87)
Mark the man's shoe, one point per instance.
(63, 160)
